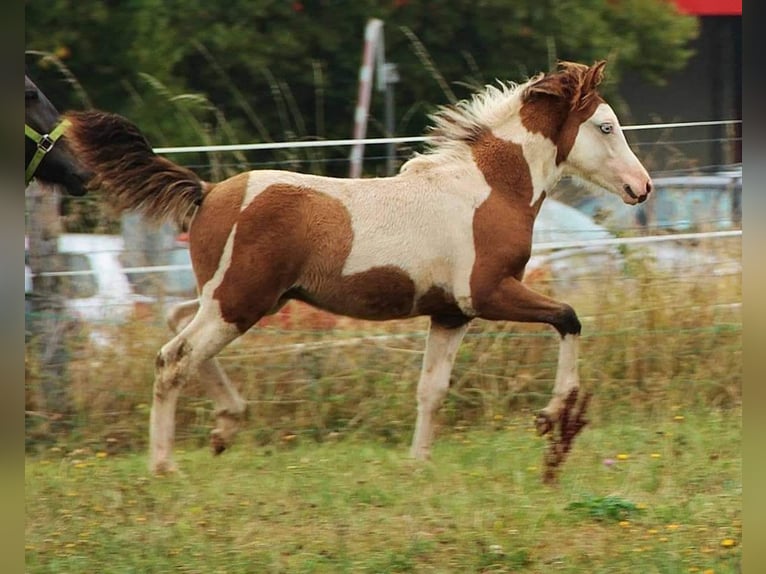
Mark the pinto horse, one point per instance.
(447, 237)
(46, 154)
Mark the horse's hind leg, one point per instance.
(177, 362)
(229, 405)
(441, 348)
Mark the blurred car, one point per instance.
(679, 203)
(559, 224)
(98, 289)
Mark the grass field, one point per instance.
(646, 493)
(319, 479)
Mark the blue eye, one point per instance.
(606, 128)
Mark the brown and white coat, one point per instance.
(448, 237)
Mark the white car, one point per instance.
(98, 288)
(555, 251)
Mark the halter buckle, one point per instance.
(46, 143)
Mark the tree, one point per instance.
(188, 71)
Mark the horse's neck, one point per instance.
(520, 172)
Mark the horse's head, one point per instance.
(47, 155)
(566, 107)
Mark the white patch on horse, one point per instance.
(539, 153)
(429, 235)
(409, 221)
(605, 158)
(496, 109)
(206, 293)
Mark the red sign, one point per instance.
(710, 7)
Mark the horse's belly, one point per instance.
(384, 292)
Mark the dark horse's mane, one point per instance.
(573, 82)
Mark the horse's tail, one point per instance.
(126, 168)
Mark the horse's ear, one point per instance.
(589, 80)
(572, 82)
(593, 76)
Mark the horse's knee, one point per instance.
(566, 321)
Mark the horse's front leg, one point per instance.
(513, 301)
(566, 383)
(441, 347)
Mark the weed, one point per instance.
(604, 507)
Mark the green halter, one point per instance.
(44, 145)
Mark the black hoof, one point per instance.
(216, 444)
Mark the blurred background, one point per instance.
(658, 287)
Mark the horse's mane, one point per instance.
(455, 125)
(572, 82)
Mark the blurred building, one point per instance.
(708, 88)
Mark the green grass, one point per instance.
(670, 502)
(319, 479)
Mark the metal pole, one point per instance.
(391, 77)
(372, 36)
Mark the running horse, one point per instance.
(46, 154)
(447, 237)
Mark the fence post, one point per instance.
(147, 244)
(46, 322)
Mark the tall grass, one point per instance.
(649, 339)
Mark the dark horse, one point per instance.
(47, 157)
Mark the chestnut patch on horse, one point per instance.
(291, 242)
(502, 225)
(272, 246)
(557, 104)
(504, 168)
(379, 293)
(438, 302)
(212, 225)
(544, 115)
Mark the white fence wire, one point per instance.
(537, 248)
(391, 140)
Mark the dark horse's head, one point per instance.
(47, 156)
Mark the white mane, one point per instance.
(457, 125)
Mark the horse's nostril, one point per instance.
(648, 187)
(629, 190)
